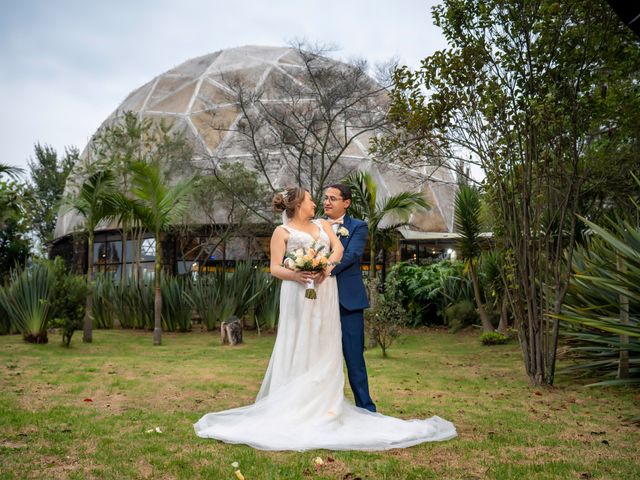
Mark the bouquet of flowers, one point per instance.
(312, 259)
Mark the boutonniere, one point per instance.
(342, 231)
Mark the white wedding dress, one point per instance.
(301, 403)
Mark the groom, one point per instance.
(351, 292)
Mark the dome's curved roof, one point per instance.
(188, 93)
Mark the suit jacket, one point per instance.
(351, 291)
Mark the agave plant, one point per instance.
(601, 312)
(267, 304)
(176, 304)
(27, 301)
(102, 306)
(207, 297)
(132, 303)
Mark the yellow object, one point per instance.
(318, 461)
(239, 475)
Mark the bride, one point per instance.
(301, 403)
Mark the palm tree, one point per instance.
(157, 206)
(469, 226)
(366, 205)
(96, 201)
(10, 170)
(8, 200)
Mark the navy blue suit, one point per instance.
(353, 301)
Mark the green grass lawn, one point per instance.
(506, 428)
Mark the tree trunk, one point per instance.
(504, 315)
(157, 302)
(484, 318)
(87, 335)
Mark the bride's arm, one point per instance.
(278, 248)
(336, 246)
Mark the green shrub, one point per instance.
(385, 320)
(68, 300)
(461, 315)
(27, 301)
(493, 338)
(427, 291)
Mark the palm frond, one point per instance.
(467, 221)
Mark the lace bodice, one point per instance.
(300, 239)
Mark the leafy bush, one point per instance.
(68, 300)
(461, 315)
(493, 338)
(27, 301)
(385, 320)
(427, 291)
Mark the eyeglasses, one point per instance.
(332, 199)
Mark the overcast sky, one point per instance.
(65, 65)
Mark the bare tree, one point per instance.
(300, 123)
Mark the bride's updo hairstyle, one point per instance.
(288, 200)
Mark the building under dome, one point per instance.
(186, 96)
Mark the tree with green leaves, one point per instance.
(48, 177)
(157, 207)
(96, 201)
(8, 193)
(395, 209)
(130, 140)
(15, 198)
(469, 226)
(233, 199)
(536, 93)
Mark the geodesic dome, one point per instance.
(187, 94)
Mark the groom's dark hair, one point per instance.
(345, 191)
